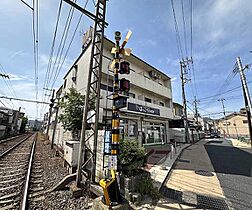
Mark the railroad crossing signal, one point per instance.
(124, 67)
(110, 185)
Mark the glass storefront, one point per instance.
(153, 133)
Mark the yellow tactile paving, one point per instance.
(189, 181)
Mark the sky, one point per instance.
(221, 32)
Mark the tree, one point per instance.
(72, 104)
(23, 124)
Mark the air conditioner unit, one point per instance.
(153, 74)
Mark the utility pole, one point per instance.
(50, 114)
(55, 125)
(183, 72)
(195, 102)
(246, 95)
(224, 113)
(16, 121)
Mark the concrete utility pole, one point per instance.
(224, 113)
(55, 125)
(50, 114)
(16, 121)
(195, 102)
(246, 95)
(183, 65)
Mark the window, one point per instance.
(132, 95)
(147, 99)
(74, 73)
(245, 122)
(161, 103)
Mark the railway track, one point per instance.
(20, 175)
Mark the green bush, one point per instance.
(146, 188)
(132, 157)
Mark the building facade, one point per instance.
(235, 124)
(149, 104)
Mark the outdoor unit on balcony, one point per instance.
(153, 74)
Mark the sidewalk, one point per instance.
(161, 161)
(192, 180)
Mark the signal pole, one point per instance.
(183, 65)
(110, 185)
(246, 95)
(50, 113)
(55, 125)
(224, 113)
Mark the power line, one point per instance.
(70, 43)
(51, 51)
(25, 100)
(184, 24)
(180, 52)
(26, 4)
(59, 51)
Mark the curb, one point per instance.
(172, 166)
(197, 200)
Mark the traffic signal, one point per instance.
(124, 85)
(52, 102)
(124, 67)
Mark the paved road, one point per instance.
(233, 167)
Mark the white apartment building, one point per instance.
(149, 106)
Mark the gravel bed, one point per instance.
(4, 145)
(54, 172)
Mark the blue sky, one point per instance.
(221, 31)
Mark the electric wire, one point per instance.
(70, 43)
(180, 52)
(51, 53)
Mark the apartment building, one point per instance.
(235, 124)
(10, 121)
(149, 104)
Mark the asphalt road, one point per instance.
(233, 167)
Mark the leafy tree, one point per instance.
(23, 124)
(132, 157)
(72, 104)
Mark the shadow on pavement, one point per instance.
(230, 160)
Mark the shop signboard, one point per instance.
(143, 109)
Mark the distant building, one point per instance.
(235, 124)
(177, 110)
(10, 121)
(34, 125)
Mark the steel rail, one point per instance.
(28, 176)
(14, 146)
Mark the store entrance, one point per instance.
(154, 133)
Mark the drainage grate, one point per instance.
(171, 193)
(211, 203)
(204, 173)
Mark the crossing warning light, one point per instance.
(124, 67)
(124, 85)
